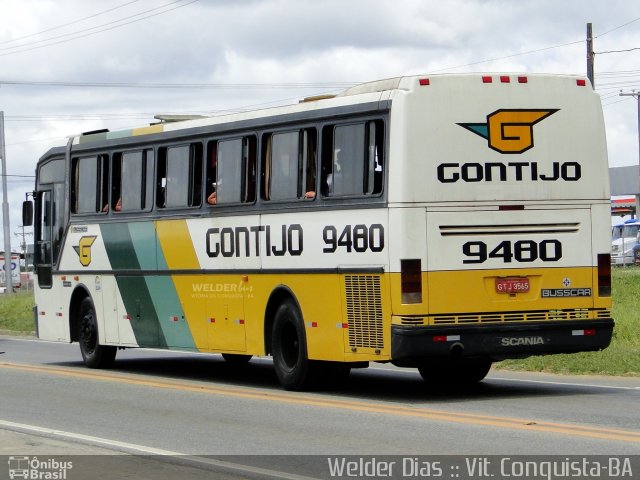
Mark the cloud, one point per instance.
(284, 41)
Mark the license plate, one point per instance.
(512, 285)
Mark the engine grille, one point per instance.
(364, 311)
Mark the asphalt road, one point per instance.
(188, 404)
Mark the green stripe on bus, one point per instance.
(162, 291)
(133, 289)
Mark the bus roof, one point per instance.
(369, 91)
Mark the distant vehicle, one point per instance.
(15, 271)
(624, 238)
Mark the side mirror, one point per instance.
(27, 213)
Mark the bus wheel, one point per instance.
(235, 358)
(289, 349)
(93, 354)
(456, 372)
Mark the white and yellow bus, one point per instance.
(439, 222)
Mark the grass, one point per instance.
(16, 312)
(622, 357)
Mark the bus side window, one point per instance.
(90, 184)
(212, 173)
(375, 158)
(352, 159)
(179, 178)
(289, 165)
(161, 178)
(130, 180)
(116, 182)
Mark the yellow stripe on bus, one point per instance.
(179, 254)
(147, 130)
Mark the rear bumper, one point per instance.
(499, 342)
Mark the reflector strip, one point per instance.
(446, 338)
(240, 321)
(424, 82)
(212, 320)
(312, 324)
(523, 79)
(173, 318)
(58, 314)
(581, 82)
(590, 332)
(342, 325)
(505, 79)
(487, 80)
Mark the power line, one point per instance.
(618, 27)
(508, 56)
(94, 28)
(618, 51)
(178, 85)
(66, 24)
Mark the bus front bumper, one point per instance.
(499, 342)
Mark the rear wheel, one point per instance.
(93, 354)
(289, 348)
(236, 358)
(455, 372)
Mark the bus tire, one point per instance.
(289, 348)
(236, 358)
(455, 372)
(93, 354)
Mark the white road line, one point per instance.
(114, 444)
(133, 448)
(548, 382)
(522, 380)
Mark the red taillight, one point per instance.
(411, 281)
(604, 275)
(581, 82)
(487, 79)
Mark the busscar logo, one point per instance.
(509, 130)
(83, 249)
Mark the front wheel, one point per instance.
(93, 354)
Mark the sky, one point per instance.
(69, 66)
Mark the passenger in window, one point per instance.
(118, 207)
(212, 198)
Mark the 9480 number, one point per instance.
(358, 238)
(520, 251)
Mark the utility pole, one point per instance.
(5, 214)
(633, 93)
(23, 244)
(590, 55)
